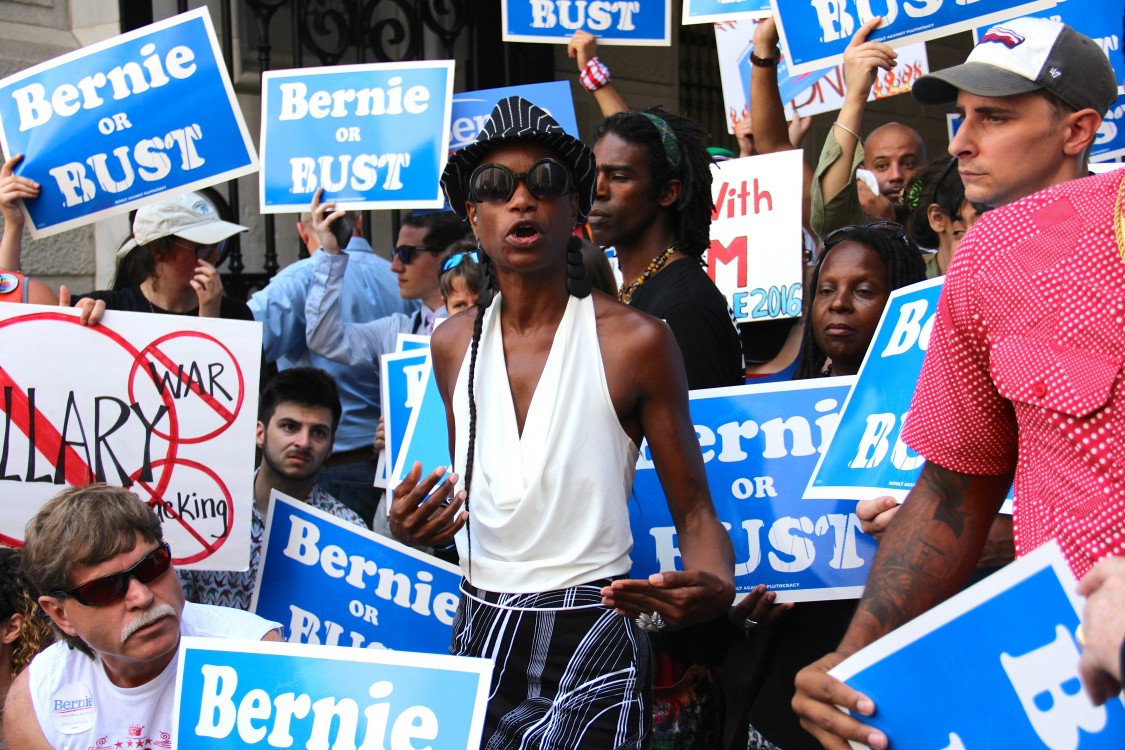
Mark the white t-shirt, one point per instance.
(79, 708)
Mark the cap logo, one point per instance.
(1054, 72)
(203, 207)
(1004, 36)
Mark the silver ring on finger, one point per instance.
(653, 623)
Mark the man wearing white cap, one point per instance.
(181, 239)
(1021, 376)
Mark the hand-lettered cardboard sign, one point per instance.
(1000, 660)
(235, 694)
(162, 404)
(756, 248)
(124, 122)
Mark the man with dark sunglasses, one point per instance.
(97, 556)
(416, 262)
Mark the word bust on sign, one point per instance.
(912, 330)
(839, 19)
(152, 155)
(592, 15)
(256, 715)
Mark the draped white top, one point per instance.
(548, 509)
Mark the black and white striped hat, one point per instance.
(516, 119)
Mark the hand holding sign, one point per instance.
(418, 512)
(819, 694)
(863, 59)
(1103, 628)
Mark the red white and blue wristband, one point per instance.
(594, 75)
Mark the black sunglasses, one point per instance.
(409, 252)
(113, 586)
(837, 236)
(495, 183)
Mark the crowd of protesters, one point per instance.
(536, 344)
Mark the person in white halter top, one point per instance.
(549, 390)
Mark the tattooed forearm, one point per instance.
(928, 551)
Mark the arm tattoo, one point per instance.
(928, 551)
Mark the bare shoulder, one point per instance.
(20, 731)
(450, 341)
(627, 329)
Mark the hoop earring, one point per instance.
(577, 282)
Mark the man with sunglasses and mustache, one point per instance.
(98, 559)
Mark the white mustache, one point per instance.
(147, 618)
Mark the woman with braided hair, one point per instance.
(547, 401)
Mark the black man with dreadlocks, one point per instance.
(653, 204)
(546, 407)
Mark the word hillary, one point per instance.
(219, 716)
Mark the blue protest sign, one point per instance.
(866, 457)
(373, 136)
(995, 666)
(426, 438)
(231, 694)
(333, 583)
(401, 381)
(760, 443)
(472, 108)
(708, 11)
(814, 33)
(637, 22)
(1101, 21)
(123, 123)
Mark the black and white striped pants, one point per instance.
(569, 673)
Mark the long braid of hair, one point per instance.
(483, 302)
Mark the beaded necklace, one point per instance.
(625, 294)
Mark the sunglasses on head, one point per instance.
(458, 258)
(495, 183)
(112, 587)
(407, 253)
(895, 231)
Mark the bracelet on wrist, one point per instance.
(764, 62)
(846, 129)
(594, 76)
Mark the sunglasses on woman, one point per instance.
(112, 587)
(495, 183)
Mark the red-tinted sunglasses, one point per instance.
(112, 587)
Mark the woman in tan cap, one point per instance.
(181, 239)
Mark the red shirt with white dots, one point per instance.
(1023, 371)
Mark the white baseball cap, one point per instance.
(189, 216)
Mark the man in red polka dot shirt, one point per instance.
(1023, 371)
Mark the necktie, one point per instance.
(431, 318)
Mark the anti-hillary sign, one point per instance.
(815, 33)
(140, 401)
(124, 122)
